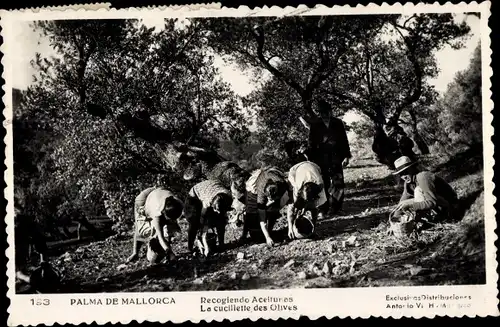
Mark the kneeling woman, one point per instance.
(156, 211)
(206, 207)
(268, 193)
(308, 193)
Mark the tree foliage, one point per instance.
(118, 101)
(386, 74)
(375, 65)
(455, 119)
(121, 106)
(299, 51)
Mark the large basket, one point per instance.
(403, 224)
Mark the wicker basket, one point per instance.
(402, 226)
(303, 226)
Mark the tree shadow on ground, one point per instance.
(374, 194)
(464, 163)
(60, 247)
(232, 245)
(391, 272)
(353, 207)
(278, 235)
(364, 165)
(335, 227)
(465, 202)
(180, 269)
(440, 270)
(260, 282)
(467, 270)
(368, 186)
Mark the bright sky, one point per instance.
(449, 61)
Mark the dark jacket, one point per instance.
(332, 138)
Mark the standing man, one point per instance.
(386, 149)
(404, 144)
(329, 149)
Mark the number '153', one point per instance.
(40, 301)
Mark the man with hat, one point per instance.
(425, 193)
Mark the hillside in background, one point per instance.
(234, 152)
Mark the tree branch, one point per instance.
(320, 73)
(196, 129)
(416, 91)
(179, 52)
(413, 117)
(355, 102)
(224, 122)
(326, 65)
(259, 37)
(384, 76)
(408, 20)
(149, 165)
(368, 72)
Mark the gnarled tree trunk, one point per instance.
(422, 146)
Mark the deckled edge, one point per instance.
(484, 7)
(107, 6)
(84, 6)
(487, 97)
(191, 7)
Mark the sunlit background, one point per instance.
(29, 42)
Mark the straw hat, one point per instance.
(402, 164)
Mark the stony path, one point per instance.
(352, 249)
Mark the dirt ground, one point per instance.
(352, 249)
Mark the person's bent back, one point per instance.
(156, 211)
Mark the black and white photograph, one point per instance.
(248, 153)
